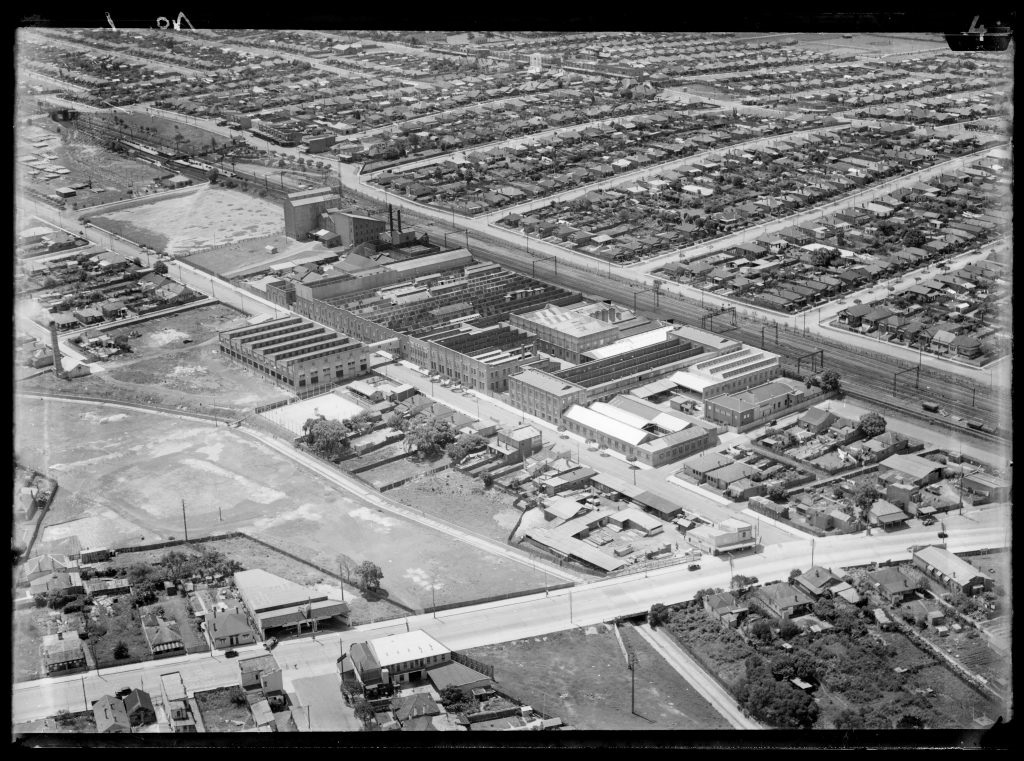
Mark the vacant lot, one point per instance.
(859, 44)
(581, 676)
(28, 631)
(113, 620)
(243, 256)
(125, 474)
(210, 216)
(225, 710)
(72, 723)
(390, 472)
(462, 500)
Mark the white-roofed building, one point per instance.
(632, 343)
(728, 372)
(397, 658)
(731, 534)
(952, 572)
(275, 602)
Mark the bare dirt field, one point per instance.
(207, 217)
(124, 475)
(861, 44)
(162, 369)
(241, 255)
(462, 500)
(580, 675)
(225, 710)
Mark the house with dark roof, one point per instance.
(163, 636)
(893, 585)
(139, 706)
(783, 600)
(413, 706)
(110, 716)
(816, 420)
(725, 607)
(228, 628)
(816, 581)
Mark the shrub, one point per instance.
(73, 607)
(488, 480)
(121, 650)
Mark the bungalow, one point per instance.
(853, 315)
(893, 585)
(816, 581)
(162, 636)
(885, 514)
(58, 583)
(816, 420)
(783, 600)
(228, 628)
(62, 652)
(725, 607)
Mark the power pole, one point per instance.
(184, 519)
(632, 683)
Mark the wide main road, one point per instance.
(491, 623)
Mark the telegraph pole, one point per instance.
(632, 683)
(184, 519)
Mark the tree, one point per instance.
(865, 496)
(658, 615)
(787, 629)
(369, 575)
(740, 582)
(488, 480)
(909, 721)
(783, 666)
(794, 573)
(429, 435)
(160, 268)
(776, 492)
(363, 711)
(829, 381)
(213, 174)
(871, 424)
(761, 630)
(451, 694)
(466, 443)
(396, 421)
(64, 718)
(121, 650)
(327, 438)
(359, 424)
(914, 239)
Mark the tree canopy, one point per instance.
(871, 424)
(829, 381)
(326, 438)
(429, 435)
(369, 575)
(466, 443)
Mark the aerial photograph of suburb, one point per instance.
(617, 385)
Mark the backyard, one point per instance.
(462, 500)
(580, 675)
(225, 710)
(173, 607)
(111, 621)
(125, 475)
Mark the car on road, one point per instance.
(927, 521)
(693, 567)
(122, 693)
(230, 653)
(187, 341)
(943, 535)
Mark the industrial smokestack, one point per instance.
(58, 365)
(399, 221)
(391, 221)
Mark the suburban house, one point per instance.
(783, 600)
(139, 706)
(885, 514)
(955, 574)
(228, 628)
(110, 715)
(262, 673)
(893, 585)
(58, 583)
(817, 581)
(456, 674)
(62, 652)
(163, 636)
(816, 420)
(726, 608)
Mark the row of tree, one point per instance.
(330, 439)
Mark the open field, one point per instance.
(207, 217)
(163, 370)
(243, 255)
(124, 476)
(462, 500)
(193, 139)
(872, 44)
(221, 713)
(581, 676)
(332, 406)
(27, 635)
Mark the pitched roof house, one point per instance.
(110, 715)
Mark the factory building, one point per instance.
(302, 211)
(296, 353)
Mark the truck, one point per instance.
(930, 406)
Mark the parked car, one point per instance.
(943, 535)
(271, 643)
(122, 693)
(927, 521)
(693, 567)
(230, 653)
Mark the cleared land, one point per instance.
(207, 217)
(872, 44)
(123, 477)
(462, 500)
(162, 369)
(332, 406)
(225, 710)
(581, 676)
(113, 620)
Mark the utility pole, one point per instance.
(184, 519)
(812, 553)
(570, 606)
(632, 683)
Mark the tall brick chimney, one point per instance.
(58, 367)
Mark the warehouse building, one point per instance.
(730, 371)
(276, 603)
(954, 573)
(757, 404)
(302, 210)
(296, 353)
(481, 358)
(568, 332)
